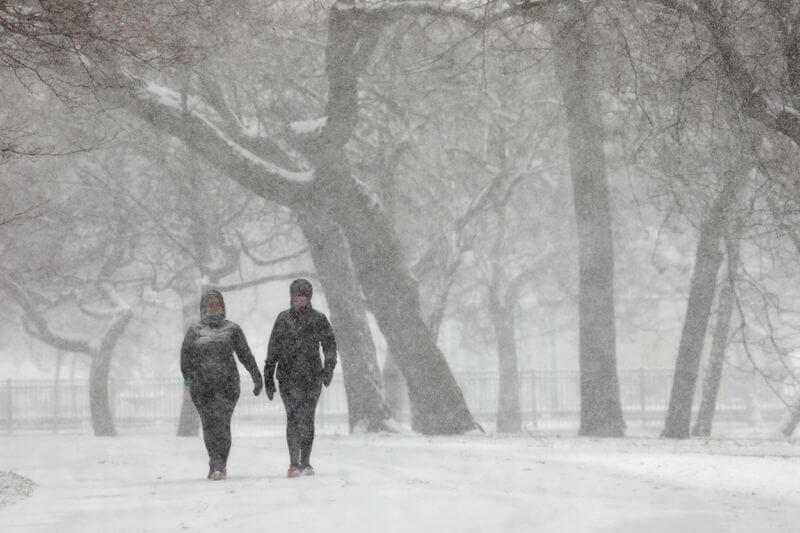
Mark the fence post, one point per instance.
(112, 395)
(9, 397)
(642, 397)
(56, 388)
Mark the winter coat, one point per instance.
(208, 347)
(294, 349)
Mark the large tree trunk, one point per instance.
(189, 420)
(713, 376)
(99, 404)
(394, 385)
(601, 410)
(367, 408)
(437, 403)
(708, 259)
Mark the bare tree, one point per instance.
(115, 314)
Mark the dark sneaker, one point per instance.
(293, 472)
(307, 470)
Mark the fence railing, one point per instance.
(547, 399)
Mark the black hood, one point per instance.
(204, 301)
(301, 287)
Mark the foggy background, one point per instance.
(540, 206)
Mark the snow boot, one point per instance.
(293, 472)
(216, 472)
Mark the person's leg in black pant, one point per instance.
(215, 409)
(221, 411)
(291, 402)
(306, 426)
(202, 398)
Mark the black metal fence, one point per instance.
(548, 399)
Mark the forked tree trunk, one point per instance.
(601, 410)
(708, 259)
(437, 403)
(713, 376)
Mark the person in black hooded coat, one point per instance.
(210, 372)
(293, 349)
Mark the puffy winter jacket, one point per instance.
(294, 349)
(208, 348)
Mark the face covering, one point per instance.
(215, 318)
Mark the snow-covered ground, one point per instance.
(406, 483)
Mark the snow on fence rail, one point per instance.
(547, 399)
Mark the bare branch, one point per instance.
(267, 279)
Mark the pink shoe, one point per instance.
(293, 472)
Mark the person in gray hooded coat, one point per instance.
(210, 372)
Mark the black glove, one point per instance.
(257, 385)
(326, 377)
(269, 387)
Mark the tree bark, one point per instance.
(509, 419)
(713, 376)
(189, 420)
(708, 260)
(395, 386)
(367, 407)
(711, 381)
(754, 100)
(601, 410)
(99, 403)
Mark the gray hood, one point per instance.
(204, 302)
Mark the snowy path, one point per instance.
(407, 483)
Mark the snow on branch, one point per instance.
(471, 11)
(268, 279)
(197, 109)
(112, 294)
(304, 128)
